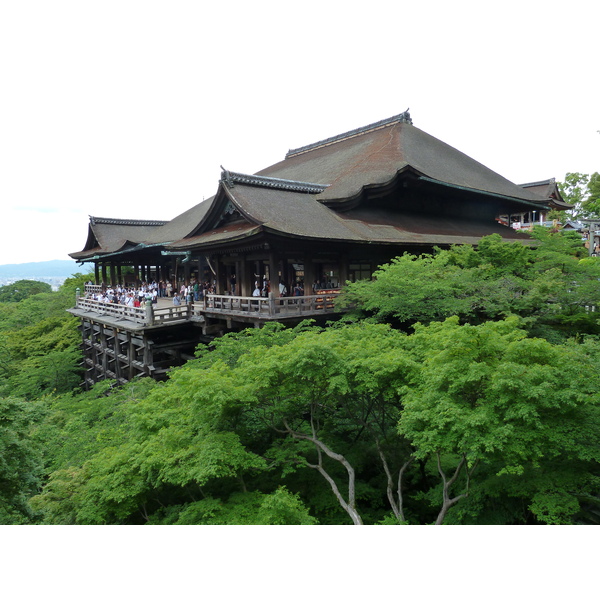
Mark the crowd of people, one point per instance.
(187, 293)
(137, 296)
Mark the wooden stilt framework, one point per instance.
(122, 354)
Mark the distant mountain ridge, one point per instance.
(45, 269)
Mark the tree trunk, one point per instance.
(447, 502)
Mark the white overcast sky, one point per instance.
(127, 109)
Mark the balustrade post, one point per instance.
(149, 313)
(271, 304)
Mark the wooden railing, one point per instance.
(91, 288)
(147, 315)
(119, 311)
(270, 306)
(262, 308)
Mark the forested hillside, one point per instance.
(460, 388)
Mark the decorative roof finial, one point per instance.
(226, 177)
(405, 117)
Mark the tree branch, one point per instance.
(349, 505)
(400, 494)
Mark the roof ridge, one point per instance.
(139, 222)
(230, 178)
(536, 183)
(401, 118)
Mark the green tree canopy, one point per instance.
(21, 462)
(24, 288)
(591, 204)
(583, 191)
(361, 422)
(548, 285)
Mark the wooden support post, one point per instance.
(239, 268)
(116, 347)
(103, 354)
(344, 270)
(272, 302)
(274, 274)
(130, 356)
(246, 278)
(219, 276)
(149, 313)
(148, 359)
(309, 276)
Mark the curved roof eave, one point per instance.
(122, 251)
(528, 203)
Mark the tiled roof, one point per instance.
(299, 196)
(401, 118)
(300, 215)
(549, 193)
(375, 156)
(106, 236)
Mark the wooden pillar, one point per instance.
(119, 274)
(274, 274)
(220, 276)
(136, 273)
(200, 263)
(239, 268)
(103, 355)
(130, 356)
(309, 276)
(246, 278)
(97, 273)
(148, 358)
(104, 276)
(344, 270)
(117, 347)
(175, 273)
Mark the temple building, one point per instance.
(329, 212)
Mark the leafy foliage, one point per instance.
(20, 459)
(24, 288)
(549, 286)
(481, 407)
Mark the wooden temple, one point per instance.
(328, 213)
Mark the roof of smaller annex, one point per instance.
(549, 191)
(106, 236)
